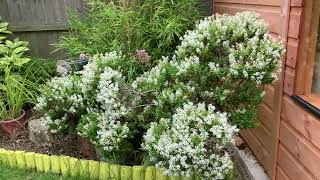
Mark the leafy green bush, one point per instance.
(38, 71)
(13, 92)
(184, 110)
(153, 25)
(20, 76)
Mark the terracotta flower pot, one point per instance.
(11, 127)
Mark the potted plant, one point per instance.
(13, 87)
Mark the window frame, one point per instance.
(306, 58)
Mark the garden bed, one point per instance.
(66, 145)
(66, 170)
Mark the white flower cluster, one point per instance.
(94, 68)
(155, 75)
(192, 142)
(59, 95)
(96, 90)
(195, 39)
(111, 131)
(244, 37)
(108, 89)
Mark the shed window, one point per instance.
(309, 86)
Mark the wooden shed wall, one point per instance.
(299, 137)
(288, 144)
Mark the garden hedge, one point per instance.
(70, 166)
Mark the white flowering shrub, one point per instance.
(225, 63)
(192, 142)
(61, 102)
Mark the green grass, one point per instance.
(8, 173)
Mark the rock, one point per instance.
(39, 134)
(63, 68)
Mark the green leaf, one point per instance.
(4, 25)
(9, 43)
(3, 49)
(20, 49)
(2, 38)
(21, 61)
(5, 60)
(3, 87)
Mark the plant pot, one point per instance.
(86, 147)
(11, 127)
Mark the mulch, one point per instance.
(62, 145)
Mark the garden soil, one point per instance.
(66, 145)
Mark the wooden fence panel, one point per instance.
(41, 22)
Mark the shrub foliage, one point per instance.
(154, 25)
(182, 111)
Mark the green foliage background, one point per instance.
(154, 25)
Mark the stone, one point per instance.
(39, 134)
(63, 68)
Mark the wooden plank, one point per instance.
(297, 3)
(259, 151)
(305, 152)
(280, 175)
(289, 80)
(262, 2)
(14, 16)
(291, 166)
(271, 15)
(41, 43)
(263, 136)
(311, 57)
(279, 88)
(292, 52)
(4, 10)
(303, 77)
(41, 22)
(303, 121)
(295, 22)
(258, 2)
(35, 28)
(268, 97)
(264, 114)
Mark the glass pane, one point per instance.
(316, 73)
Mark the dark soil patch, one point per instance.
(62, 145)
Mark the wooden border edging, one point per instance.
(70, 166)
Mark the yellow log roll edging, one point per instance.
(70, 166)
